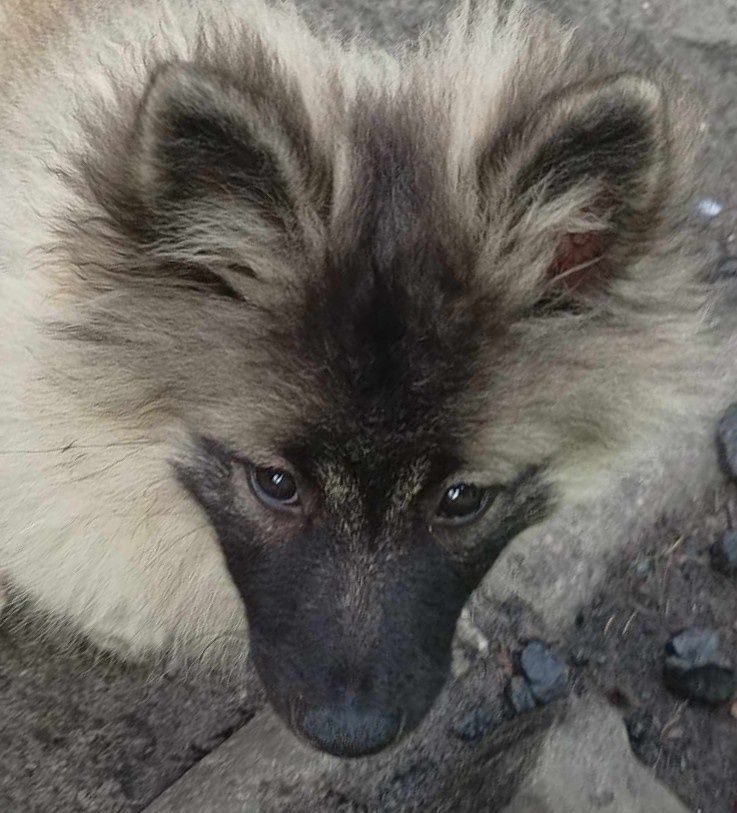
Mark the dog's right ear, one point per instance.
(202, 137)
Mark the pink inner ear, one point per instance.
(579, 265)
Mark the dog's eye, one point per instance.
(462, 503)
(275, 488)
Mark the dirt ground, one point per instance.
(619, 643)
(80, 732)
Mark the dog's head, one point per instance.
(391, 314)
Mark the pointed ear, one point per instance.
(201, 136)
(587, 172)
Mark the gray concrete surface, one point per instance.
(583, 763)
(586, 764)
(78, 733)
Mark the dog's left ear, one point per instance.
(588, 169)
(200, 136)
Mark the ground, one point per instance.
(83, 733)
(659, 587)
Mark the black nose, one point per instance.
(348, 729)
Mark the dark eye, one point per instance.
(462, 502)
(274, 487)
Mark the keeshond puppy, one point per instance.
(298, 334)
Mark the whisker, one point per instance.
(73, 445)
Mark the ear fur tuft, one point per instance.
(201, 136)
(594, 157)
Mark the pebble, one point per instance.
(727, 441)
(474, 725)
(709, 208)
(519, 695)
(580, 657)
(727, 267)
(639, 726)
(546, 674)
(724, 553)
(644, 568)
(694, 667)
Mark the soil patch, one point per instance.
(665, 585)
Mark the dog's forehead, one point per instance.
(388, 329)
(392, 367)
(393, 323)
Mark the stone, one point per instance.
(580, 657)
(639, 725)
(472, 727)
(546, 674)
(518, 695)
(724, 553)
(695, 669)
(643, 568)
(696, 644)
(708, 208)
(231, 778)
(644, 735)
(586, 764)
(727, 441)
(726, 268)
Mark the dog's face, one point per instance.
(358, 525)
(384, 347)
(354, 561)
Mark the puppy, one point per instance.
(299, 334)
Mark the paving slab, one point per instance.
(586, 764)
(582, 763)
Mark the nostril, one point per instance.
(347, 730)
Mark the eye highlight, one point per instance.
(275, 488)
(462, 503)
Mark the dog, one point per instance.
(299, 334)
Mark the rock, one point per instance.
(546, 674)
(708, 208)
(519, 695)
(696, 645)
(231, 777)
(585, 764)
(727, 441)
(644, 568)
(726, 268)
(462, 661)
(644, 736)
(724, 553)
(468, 633)
(695, 669)
(580, 657)
(474, 725)
(639, 726)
